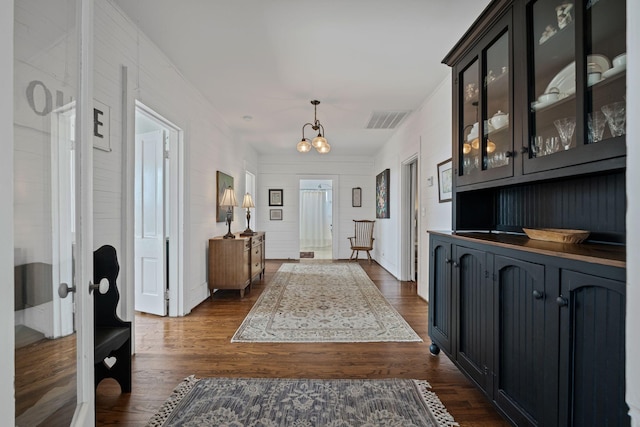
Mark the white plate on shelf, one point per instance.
(537, 105)
(613, 71)
(564, 81)
(601, 61)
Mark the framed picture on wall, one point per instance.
(275, 197)
(275, 214)
(382, 194)
(445, 181)
(224, 181)
(356, 197)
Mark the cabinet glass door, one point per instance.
(552, 96)
(469, 148)
(606, 63)
(497, 141)
(485, 148)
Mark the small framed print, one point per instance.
(445, 181)
(275, 214)
(275, 197)
(356, 197)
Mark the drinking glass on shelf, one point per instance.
(537, 147)
(552, 144)
(595, 123)
(565, 128)
(616, 117)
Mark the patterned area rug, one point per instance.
(302, 403)
(323, 302)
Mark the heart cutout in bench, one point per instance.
(109, 362)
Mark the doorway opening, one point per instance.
(410, 210)
(157, 214)
(316, 218)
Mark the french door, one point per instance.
(53, 212)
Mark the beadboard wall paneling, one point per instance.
(595, 203)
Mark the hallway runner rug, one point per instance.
(323, 302)
(267, 402)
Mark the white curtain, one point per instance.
(315, 219)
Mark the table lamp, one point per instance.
(229, 201)
(247, 203)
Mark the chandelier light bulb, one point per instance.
(466, 148)
(324, 148)
(303, 146)
(318, 141)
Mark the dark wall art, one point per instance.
(382, 194)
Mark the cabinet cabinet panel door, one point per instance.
(475, 305)
(440, 295)
(520, 334)
(592, 351)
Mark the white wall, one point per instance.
(633, 210)
(426, 132)
(208, 145)
(7, 403)
(277, 172)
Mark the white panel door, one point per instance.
(150, 271)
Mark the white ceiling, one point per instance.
(267, 59)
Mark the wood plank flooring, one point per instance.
(170, 349)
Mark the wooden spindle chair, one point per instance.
(362, 239)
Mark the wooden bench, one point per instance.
(112, 335)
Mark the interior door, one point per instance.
(53, 213)
(150, 255)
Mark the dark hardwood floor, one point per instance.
(170, 349)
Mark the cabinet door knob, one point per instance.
(510, 154)
(455, 264)
(524, 150)
(537, 294)
(562, 301)
(448, 260)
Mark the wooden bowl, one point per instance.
(561, 235)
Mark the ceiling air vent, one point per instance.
(386, 119)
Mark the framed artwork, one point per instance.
(275, 197)
(356, 197)
(275, 214)
(223, 181)
(445, 181)
(382, 194)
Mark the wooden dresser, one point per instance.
(234, 263)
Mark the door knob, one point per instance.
(64, 289)
(101, 287)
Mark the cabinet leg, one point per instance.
(241, 293)
(434, 349)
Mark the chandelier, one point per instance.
(319, 142)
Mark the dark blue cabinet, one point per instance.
(542, 336)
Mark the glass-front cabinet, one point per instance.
(576, 68)
(485, 104)
(542, 89)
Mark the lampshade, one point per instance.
(228, 198)
(247, 202)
